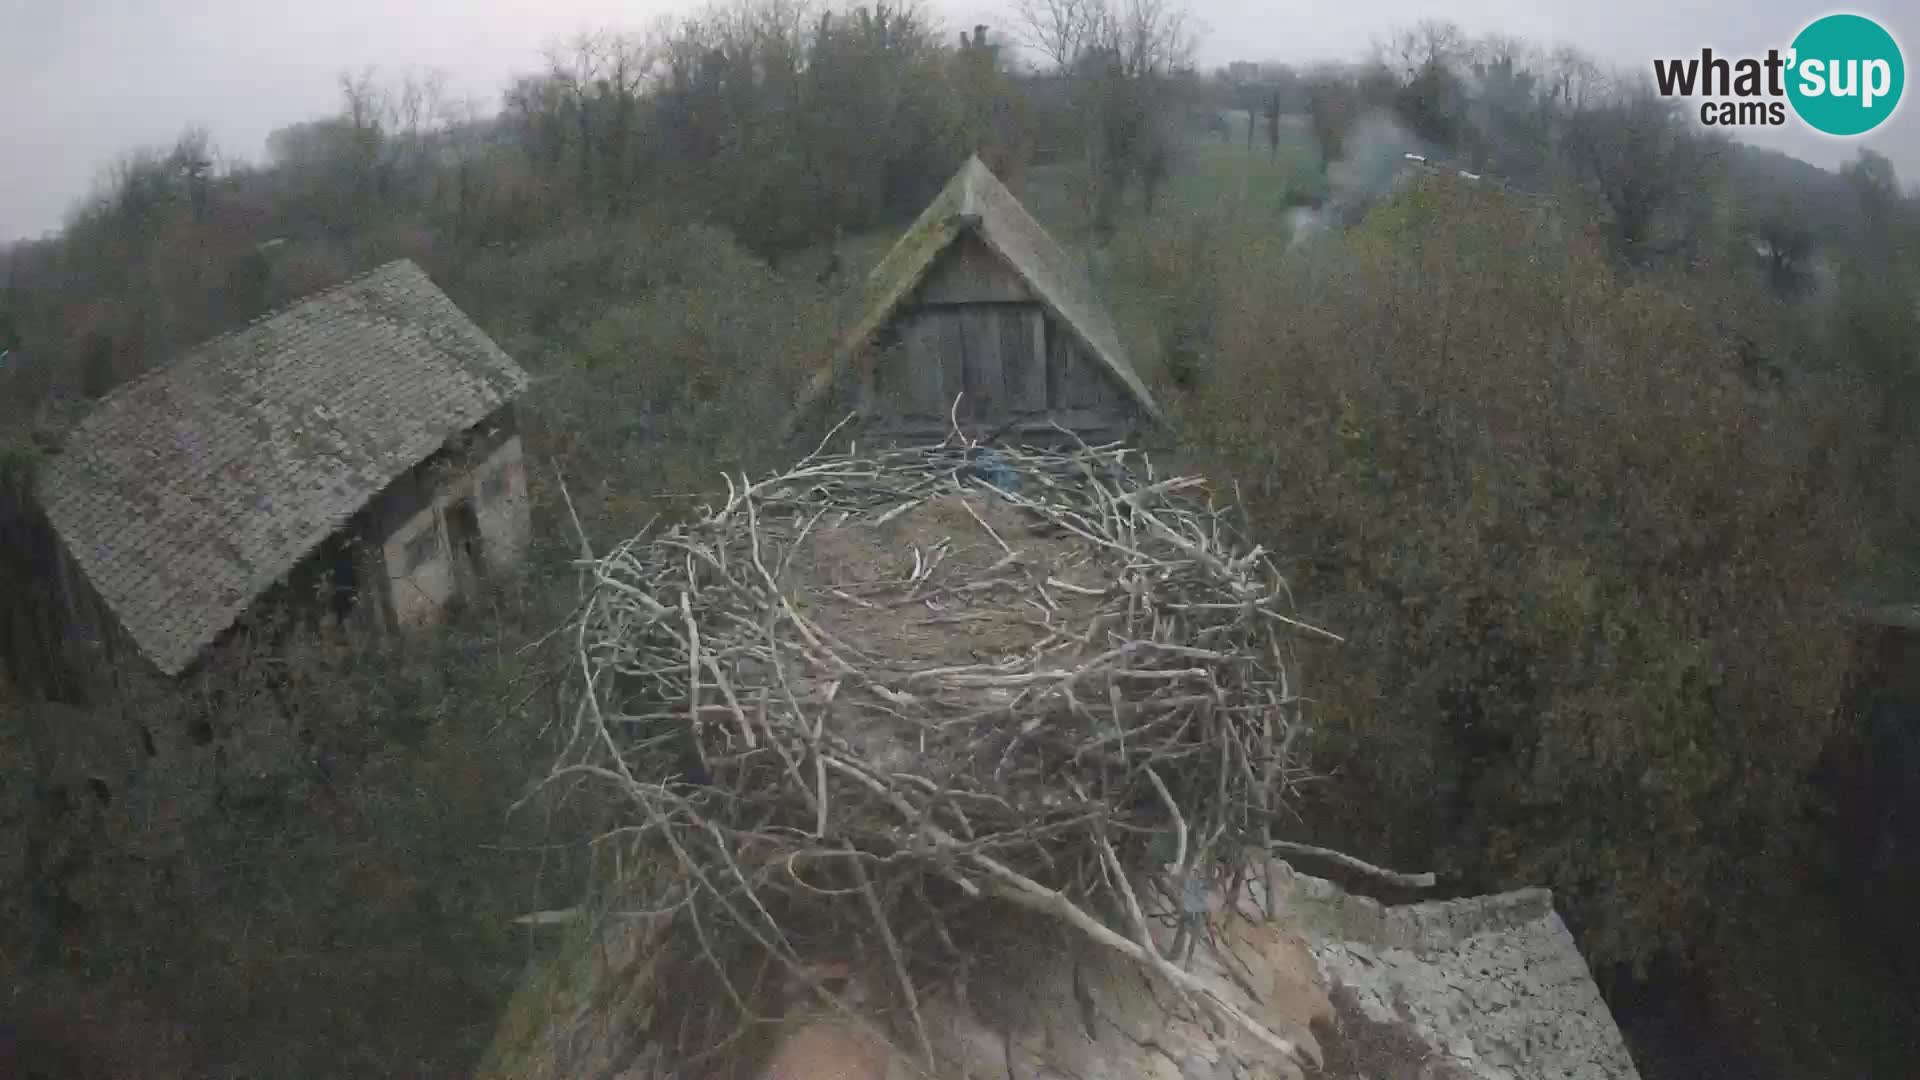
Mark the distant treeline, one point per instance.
(1639, 175)
(784, 124)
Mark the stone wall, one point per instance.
(419, 568)
(413, 527)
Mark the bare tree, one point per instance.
(1575, 83)
(1333, 104)
(1061, 31)
(365, 102)
(594, 83)
(1123, 62)
(364, 111)
(1427, 44)
(418, 105)
(1153, 38)
(1504, 50)
(1653, 177)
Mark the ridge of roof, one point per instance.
(180, 354)
(971, 171)
(390, 266)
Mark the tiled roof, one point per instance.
(976, 200)
(187, 493)
(1494, 986)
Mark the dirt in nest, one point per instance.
(854, 580)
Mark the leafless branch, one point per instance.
(745, 743)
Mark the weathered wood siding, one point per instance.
(1077, 381)
(970, 273)
(974, 330)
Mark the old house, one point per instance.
(355, 452)
(976, 315)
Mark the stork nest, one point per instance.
(866, 701)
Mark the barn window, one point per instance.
(422, 549)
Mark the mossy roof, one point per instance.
(185, 494)
(976, 201)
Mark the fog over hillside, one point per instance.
(84, 82)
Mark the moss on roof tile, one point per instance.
(185, 494)
(975, 200)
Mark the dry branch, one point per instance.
(1048, 691)
(1365, 869)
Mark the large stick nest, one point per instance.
(864, 699)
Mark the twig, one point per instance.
(1161, 667)
(1019, 889)
(899, 964)
(1346, 861)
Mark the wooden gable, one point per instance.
(975, 330)
(969, 272)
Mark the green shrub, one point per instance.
(344, 906)
(1588, 576)
(685, 371)
(348, 912)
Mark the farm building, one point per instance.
(977, 304)
(356, 452)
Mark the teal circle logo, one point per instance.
(1846, 75)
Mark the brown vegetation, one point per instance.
(1584, 476)
(1594, 576)
(1597, 572)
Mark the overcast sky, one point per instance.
(83, 81)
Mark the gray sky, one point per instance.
(83, 81)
